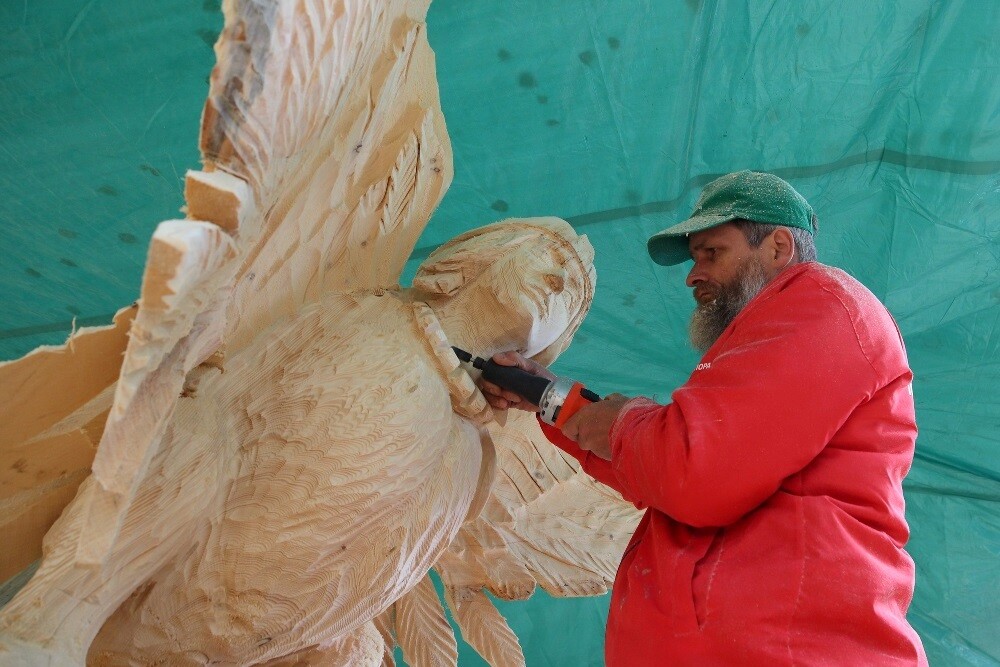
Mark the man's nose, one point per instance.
(695, 275)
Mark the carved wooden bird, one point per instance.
(291, 444)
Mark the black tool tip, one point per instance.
(462, 354)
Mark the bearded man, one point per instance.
(774, 530)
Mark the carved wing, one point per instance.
(547, 523)
(325, 153)
(328, 112)
(48, 439)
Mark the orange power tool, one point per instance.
(557, 399)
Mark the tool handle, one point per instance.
(521, 382)
(577, 397)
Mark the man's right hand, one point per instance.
(501, 399)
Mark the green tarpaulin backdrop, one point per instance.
(884, 114)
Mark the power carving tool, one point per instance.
(557, 399)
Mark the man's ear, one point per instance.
(782, 248)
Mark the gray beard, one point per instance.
(711, 319)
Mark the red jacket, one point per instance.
(774, 532)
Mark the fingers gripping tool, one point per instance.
(558, 399)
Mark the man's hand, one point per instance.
(501, 399)
(590, 427)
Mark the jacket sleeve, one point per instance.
(594, 466)
(781, 386)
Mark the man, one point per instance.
(774, 531)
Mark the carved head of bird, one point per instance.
(520, 284)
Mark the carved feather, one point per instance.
(422, 630)
(483, 627)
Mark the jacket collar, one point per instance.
(778, 283)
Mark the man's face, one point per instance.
(726, 275)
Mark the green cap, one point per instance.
(743, 195)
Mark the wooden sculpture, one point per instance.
(291, 444)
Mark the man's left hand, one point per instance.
(590, 427)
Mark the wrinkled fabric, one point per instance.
(774, 532)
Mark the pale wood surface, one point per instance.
(54, 403)
(290, 444)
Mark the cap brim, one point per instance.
(670, 246)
